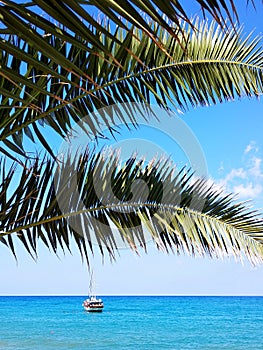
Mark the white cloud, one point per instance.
(234, 174)
(249, 190)
(250, 147)
(246, 181)
(255, 169)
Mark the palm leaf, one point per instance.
(213, 67)
(75, 15)
(96, 202)
(56, 74)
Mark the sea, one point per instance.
(131, 323)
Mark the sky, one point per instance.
(230, 137)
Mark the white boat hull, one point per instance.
(93, 305)
(93, 309)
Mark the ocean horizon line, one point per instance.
(133, 295)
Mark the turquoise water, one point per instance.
(45, 323)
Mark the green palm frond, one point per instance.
(59, 64)
(56, 91)
(100, 203)
(76, 15)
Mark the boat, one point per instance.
(92, 304)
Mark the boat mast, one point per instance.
(91, 284)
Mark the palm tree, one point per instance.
(60, 64)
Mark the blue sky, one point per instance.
(230, 136)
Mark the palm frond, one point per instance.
(75, 15)
(98, 202)
(56, 91)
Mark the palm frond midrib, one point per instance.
(240, 223)
(152, 70)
